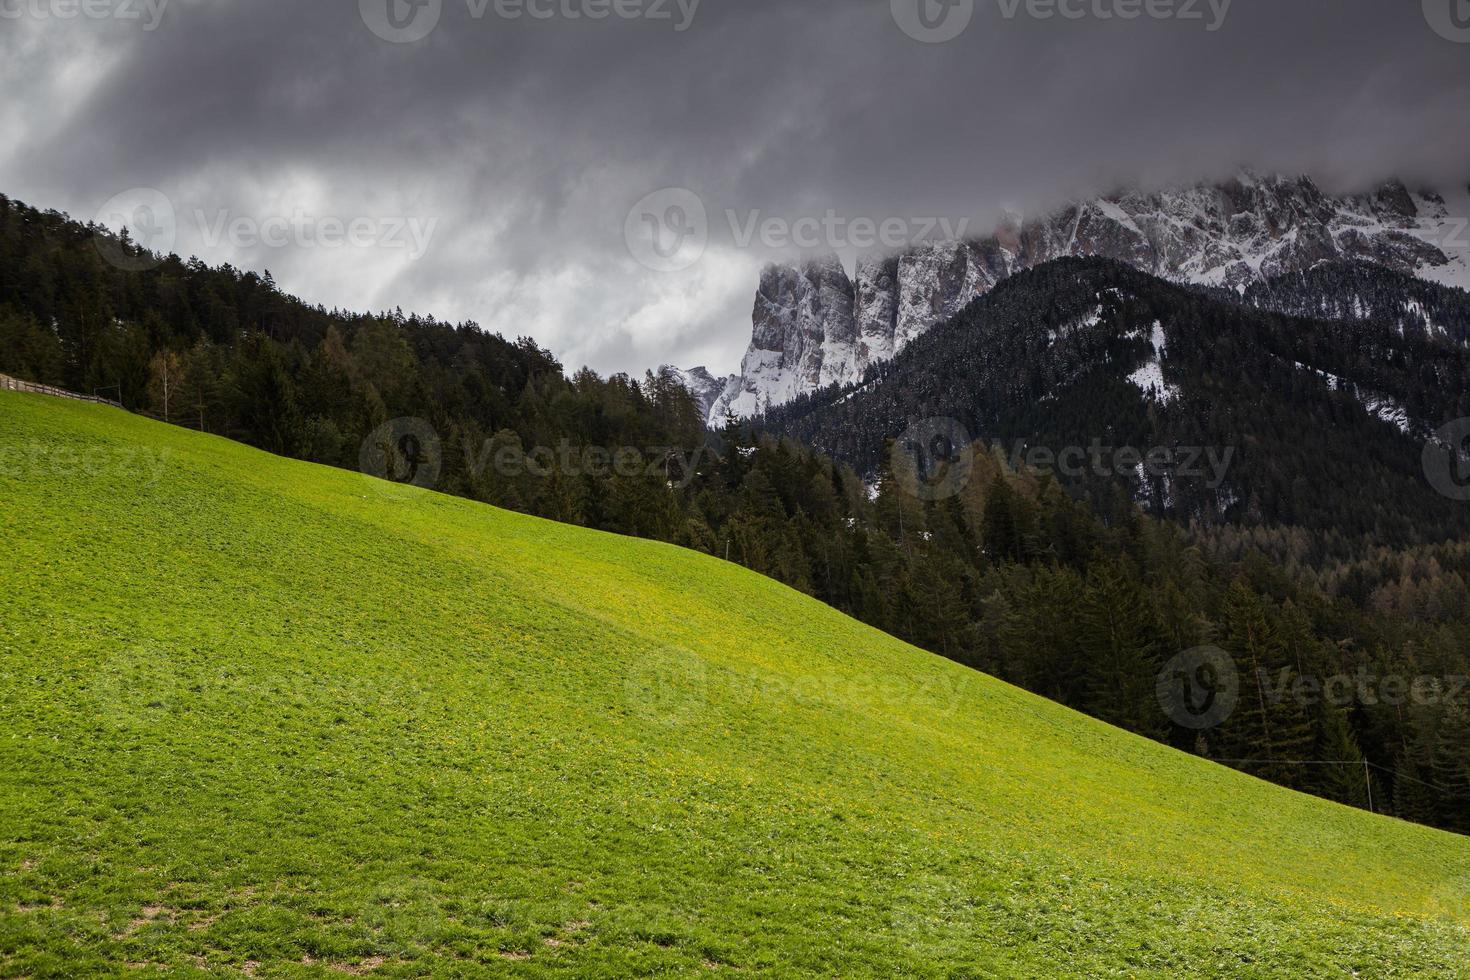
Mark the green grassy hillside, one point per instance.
(267, 718)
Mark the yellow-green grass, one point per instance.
(267, 717)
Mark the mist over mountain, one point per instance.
(814, 326)
(528, 141)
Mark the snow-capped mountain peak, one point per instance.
(815, 326)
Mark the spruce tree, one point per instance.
(1123, 645)
(1271, 731)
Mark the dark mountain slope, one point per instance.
(1323, 423)
(1401, 303)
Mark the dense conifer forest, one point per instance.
(1329, 560)
(1323, 422)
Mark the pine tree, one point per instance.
(1123, 644)
(1342, 775)
(1002, 535)
(1270, 728)
(1449, 767)
(1414, 798)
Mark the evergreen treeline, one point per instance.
(1362, 291)
(1082, 601)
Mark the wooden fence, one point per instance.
(7, 383)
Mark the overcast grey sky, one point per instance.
(517, 145)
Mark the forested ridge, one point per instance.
(1360, 291)
(1325, 421)
(1073, 592)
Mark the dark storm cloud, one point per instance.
(524, 142)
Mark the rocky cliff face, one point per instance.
(815, 327)
(875, 308)
(705, 387)
(805, 337)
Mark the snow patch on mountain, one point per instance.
(1377, 404)
(1388, 410)
(1444, 223)
(1091, 319)
(1150, 378)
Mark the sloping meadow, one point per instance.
(268, 718)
